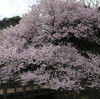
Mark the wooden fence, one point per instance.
(14, 90)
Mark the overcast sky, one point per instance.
(10, 8)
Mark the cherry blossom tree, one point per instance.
(53, 46)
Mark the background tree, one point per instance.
(53, 46)
(6, 22)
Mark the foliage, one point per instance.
(6, 22)
(53, 46)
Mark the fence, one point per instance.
(14, 90)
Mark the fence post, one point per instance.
(31, 87)
(39, 90)
(24, 92)
(15, 89)
(5, 91)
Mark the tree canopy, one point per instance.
(55, 45)
(6, 22)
